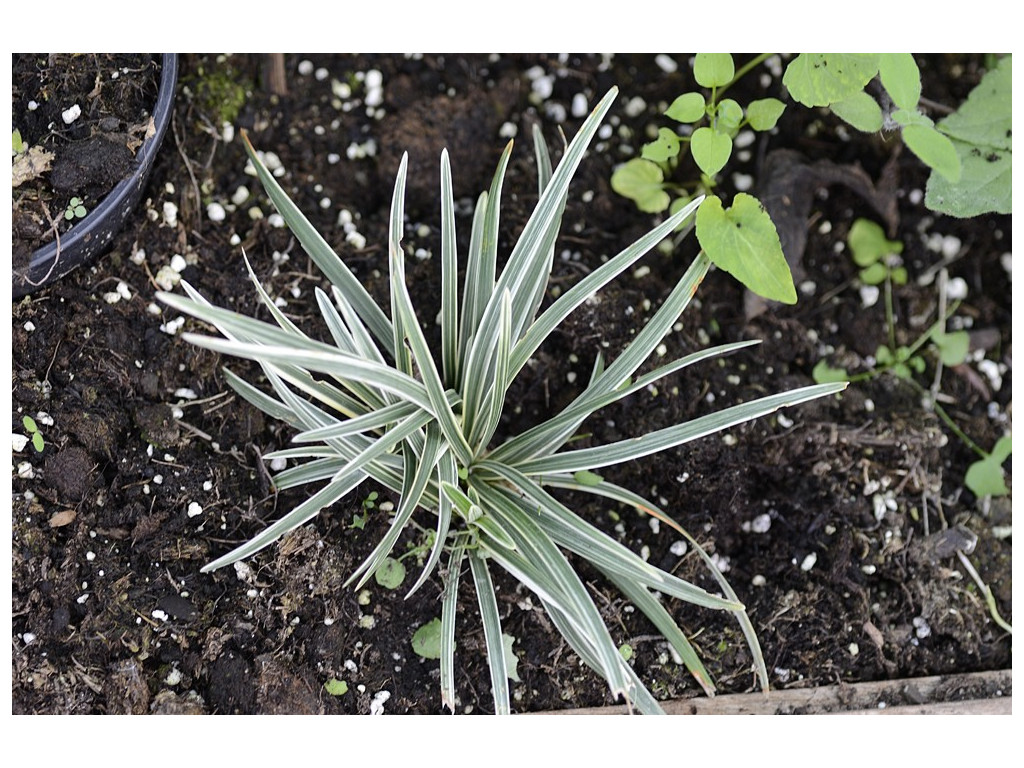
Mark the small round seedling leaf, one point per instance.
(935, 150)
(868, 243)
(952, 346)
(763, 114)
(823, 373)
(426, 641)
(873, 274)
(663, 148)
(821, 79)
(729, 116)
(901, 78)
(985, 477)
(37, 442)
(710, 150)
(687, 108)
(861, 111)
(642, 182)
(335, 687)
(713, 69)
(744, 242)
(511, 660)
(1002, 449)
(390, 574)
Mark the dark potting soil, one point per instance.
(831, 520)
(81, 118)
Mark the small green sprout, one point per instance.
(876, 255)
(33, 430)
(76, 209)
(336, 687)
(877, 258)
(17, 144)
(426, 641)
(391, 573)
(985, 476)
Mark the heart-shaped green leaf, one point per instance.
(823, 373)
(744, 242)
(710, 150)
(868, 243)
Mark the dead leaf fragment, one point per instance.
(62, 518)
(29, 165)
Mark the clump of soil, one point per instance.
(825, 518)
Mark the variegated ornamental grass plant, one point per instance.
(376, 404)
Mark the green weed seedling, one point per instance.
(426, 641)
(838, 81)
(969, 151)
(76, 209)
(740, 239)
(17, 143)
(981, 133)
(33, 430)
(336, 687)
(876, 256)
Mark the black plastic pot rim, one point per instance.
(93, 235)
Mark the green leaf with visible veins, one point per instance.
(981, 132)
(820, 79)
(743, 241)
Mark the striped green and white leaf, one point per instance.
(375, 404)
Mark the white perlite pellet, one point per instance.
(377, 705)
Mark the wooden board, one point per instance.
(979, 693)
